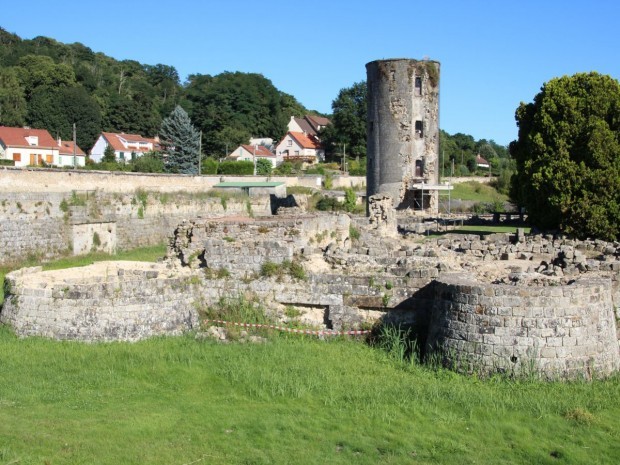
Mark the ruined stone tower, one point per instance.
(403, 133)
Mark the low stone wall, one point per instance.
(129, 301)
(59, 180)
(562, 331)
(108, 301)
(48, 225)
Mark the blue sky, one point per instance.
(493, 54)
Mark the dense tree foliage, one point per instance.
(232, 107)
(348, 123)
(127, 96)
(568, 156)
(181, 142)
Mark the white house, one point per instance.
(66, 152)
(250, 152)
(25, 146)
(298, 146)
(127, 147)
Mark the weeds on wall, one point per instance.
(287, 268)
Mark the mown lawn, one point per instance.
(478, 192)
(290, 400)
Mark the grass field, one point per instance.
(290, 400)
(478, 192)
(143, 254)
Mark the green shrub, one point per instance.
(148, 163)
(354, 233)
(240, 168)
(263, 167)
(209, 166)
(328, 181)
(329, 204)
(350, 199)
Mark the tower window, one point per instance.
(418, 86)
(419, 129)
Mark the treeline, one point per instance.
(51, 85)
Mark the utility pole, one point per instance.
(254, 159)
(344, 157)
(199, 153)
(74, 145)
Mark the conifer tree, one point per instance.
(181, 142)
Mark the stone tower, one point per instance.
(403, 132)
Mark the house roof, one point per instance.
(66, 148)
(17, 137)
(305, 141)
(261, 150)
(116, 141)
(481, 161)
(311, 124)
(305, 126)
(317, 121)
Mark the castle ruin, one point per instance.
(403, 133)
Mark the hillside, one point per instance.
(48, 84)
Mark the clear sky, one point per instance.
(493, 53)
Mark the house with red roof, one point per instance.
(70, 154)
(481, 162)
(300, 146)
(127, 147)
(25, 146)
(252, 152)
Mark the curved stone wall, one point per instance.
(565, 331)
(107, 301)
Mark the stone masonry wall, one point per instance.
(119, 301)
(59, 180)
(241, 247)
(562, 331)
(47, 225)
(132, 300)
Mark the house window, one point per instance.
(49, 159)
(418, 86)
(289, 142)
(133, 156)
(121, 155)
(297, 152)
(419, 129)
(17, 157)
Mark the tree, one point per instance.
(348, 122)
(181, 142)
(57, 109)
(263, 167)
(235, 106)
(568, 156)
(12, 100)
(109, 155)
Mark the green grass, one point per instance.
(478, 192)
(468, 229)
(142, 254)
(291, 400)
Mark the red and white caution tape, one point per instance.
(312, 332)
